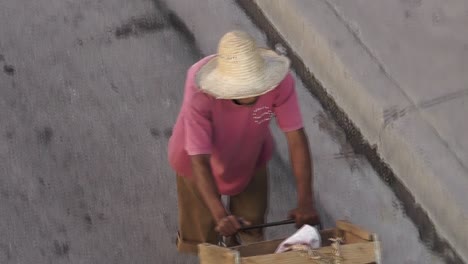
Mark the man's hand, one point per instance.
(230, 225)
(305, 215)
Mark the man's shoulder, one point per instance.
(288, 80)
(286, 85)
(197, 65)
(193, 70)
(194, 92)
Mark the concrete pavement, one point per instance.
(89, 91)
(396, 69)
(88, 95)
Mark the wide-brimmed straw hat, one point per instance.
(241, 69)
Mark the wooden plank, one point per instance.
(358, 253)
(283, 258)
(212, 254)
(377, 249)
(353, 229)
(350, 238)
(261, 248)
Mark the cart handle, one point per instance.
(284, 222)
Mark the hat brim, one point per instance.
(211, 81)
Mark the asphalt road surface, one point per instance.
(89, 91)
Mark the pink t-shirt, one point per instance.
(237, 136)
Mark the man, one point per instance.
(221, 142)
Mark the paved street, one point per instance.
(85, 113)
(89, 91)
(88, 95)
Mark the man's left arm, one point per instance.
(288, 115)
(302, 165)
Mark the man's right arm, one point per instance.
(206, 186)
(198, 135)
(201, 170)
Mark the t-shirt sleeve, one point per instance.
(286, 106)
(198, 124)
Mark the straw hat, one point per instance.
(241, 69)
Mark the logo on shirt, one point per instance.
(262, 114)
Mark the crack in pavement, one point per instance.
(139, 26)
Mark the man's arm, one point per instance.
(201, 169)
(206, 186)
(302, 165)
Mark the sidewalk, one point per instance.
(397, 69)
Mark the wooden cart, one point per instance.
(358, 247)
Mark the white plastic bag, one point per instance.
(307, 235)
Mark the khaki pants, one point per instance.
(196, 225)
